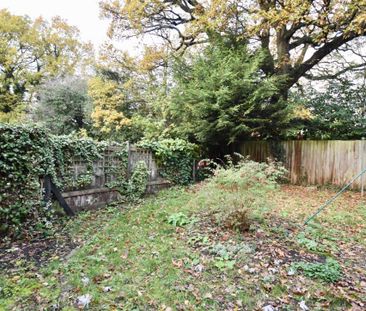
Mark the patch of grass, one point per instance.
(344, 219)
(134, 252)
(278, 290)
(124, 249)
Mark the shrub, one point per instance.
(234, 194)
(237, 218)
(136, 185)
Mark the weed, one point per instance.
(330, 271)
(178, 219)
(311, 245)
(223, 264)
(198, 241)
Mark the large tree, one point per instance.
(296, 35)
(222, 97)
(32, 51)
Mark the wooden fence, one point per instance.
(138, 154)
(314, 162)
(95, 192)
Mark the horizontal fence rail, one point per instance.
(313, 162)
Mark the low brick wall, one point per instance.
(156, 186)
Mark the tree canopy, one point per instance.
(338, 112)
(64, 106)
(295, 35)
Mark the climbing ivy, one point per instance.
(27, 153)
(136, 185)
(175, 158)
(133, 188)
(23, 158)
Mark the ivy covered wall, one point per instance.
(29, 153)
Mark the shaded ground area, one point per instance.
(40, 250)
(35, 253)
(134, 259)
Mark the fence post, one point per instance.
(362, 166)
(128, 160)
(47, 188)
(50, 187)
(194, 171)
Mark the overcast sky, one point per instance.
(81, 13)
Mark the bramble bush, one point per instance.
(239, 192)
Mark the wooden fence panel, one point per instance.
(314, 162)
(139, 154)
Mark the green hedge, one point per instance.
(27, 154)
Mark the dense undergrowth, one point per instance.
(238, 192)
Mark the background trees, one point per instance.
(107, 98)
(222, 94)
(220, 71)
(63, 106)
(31, 52)
(135, 104)
(338, 112)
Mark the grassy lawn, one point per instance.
(168, 254)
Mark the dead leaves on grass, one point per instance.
(268, 268)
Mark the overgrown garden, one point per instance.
(234, 241)
(208, 76)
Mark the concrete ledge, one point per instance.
(90, 199)
(156, 186)
(70, 194)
